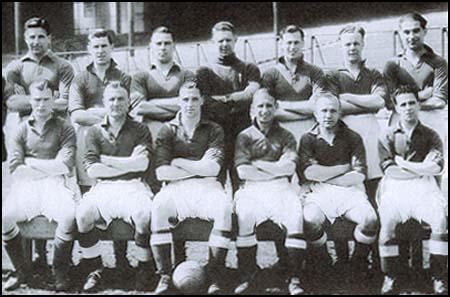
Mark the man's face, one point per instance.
(412, 34)
(264, 108)
(41, 102)
(407, 107)
(190, 102)
(116, 102)
(37, 40)
(100, 50)
(327, 113)
(352, 45)
(163, 46)
(292, 45)
(224, 42)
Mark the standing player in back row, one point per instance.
(411, 158)
(420, 67)
(86, 109)
(292, 82)
(228, 85)
(362, 93)
(154, 92)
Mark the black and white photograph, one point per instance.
(225, 148)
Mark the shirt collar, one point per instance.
(175, 66)
(275, 125)
(428, 54)
(91, 66)
(105, 122)
(176, 121)
(31, 119)
(49, 54)
(362, 67)
(417, 129)
(300, 62)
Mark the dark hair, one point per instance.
(100, 33)
(415, 17)
(292, 29)
(405, 89)
(37, 22)
(224, 26)
(353, 29)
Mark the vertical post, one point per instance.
(245, 50)
(275, 27)
(130, 10)
(117, 4)
(17, 27)
(198, 54)
(313, 38)
(443, 47)
(395, 43)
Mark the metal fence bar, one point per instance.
(312, 48)
(245, 50)
(444, 34)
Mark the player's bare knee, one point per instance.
(371, 222)
(141, 221)
(85, 218)
(312, 216)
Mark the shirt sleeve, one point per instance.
(92, 153)
(68, 145)
(436, 153)
(386, 150)
(333, 83)
(216, 145)
(268, 80)
(66, 75)
(164, 148)
(318, 80)
(306, 154)
(138, 90)
(144, 137)
(290, 149)
(253, 73)
(440, 83)
(125, 81)
(358, 162)
(13, 73)
(77, 94)
(242, 153)
(378, 86)
(18, 148)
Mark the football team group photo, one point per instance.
(344, 168)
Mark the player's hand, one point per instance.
(19, 90)
(220, 98)
(426, 93)
(399, 160)
(139, 150)
(60, 104)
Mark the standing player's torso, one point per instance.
(91, 87)
(298, 86)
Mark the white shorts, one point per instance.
(366, 125)
(274, 200)
(118, 199)
(202, 198)
(51, 197)
(410, 198)
(336, 201)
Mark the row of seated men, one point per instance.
(227, 86)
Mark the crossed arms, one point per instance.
(339, 175)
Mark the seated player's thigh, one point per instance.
(87, 215)
(11, 215)
(163, 210)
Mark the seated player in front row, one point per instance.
(118, 154)
(189, 157)
(411, 158)
(265, 158)
(333, 166)
(42, 156)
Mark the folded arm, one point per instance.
(137, 163)
(172, 173)
(322, 173)
(276, 169)
(396, 172)
(88, 117)
(300, 107)
(158, 108)
(99, 170)
(370, 102)
(19, 103)
(425, 168)
(348, 179)
(25, 172)
(252, 173)
(49, 167)
(204, 167)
